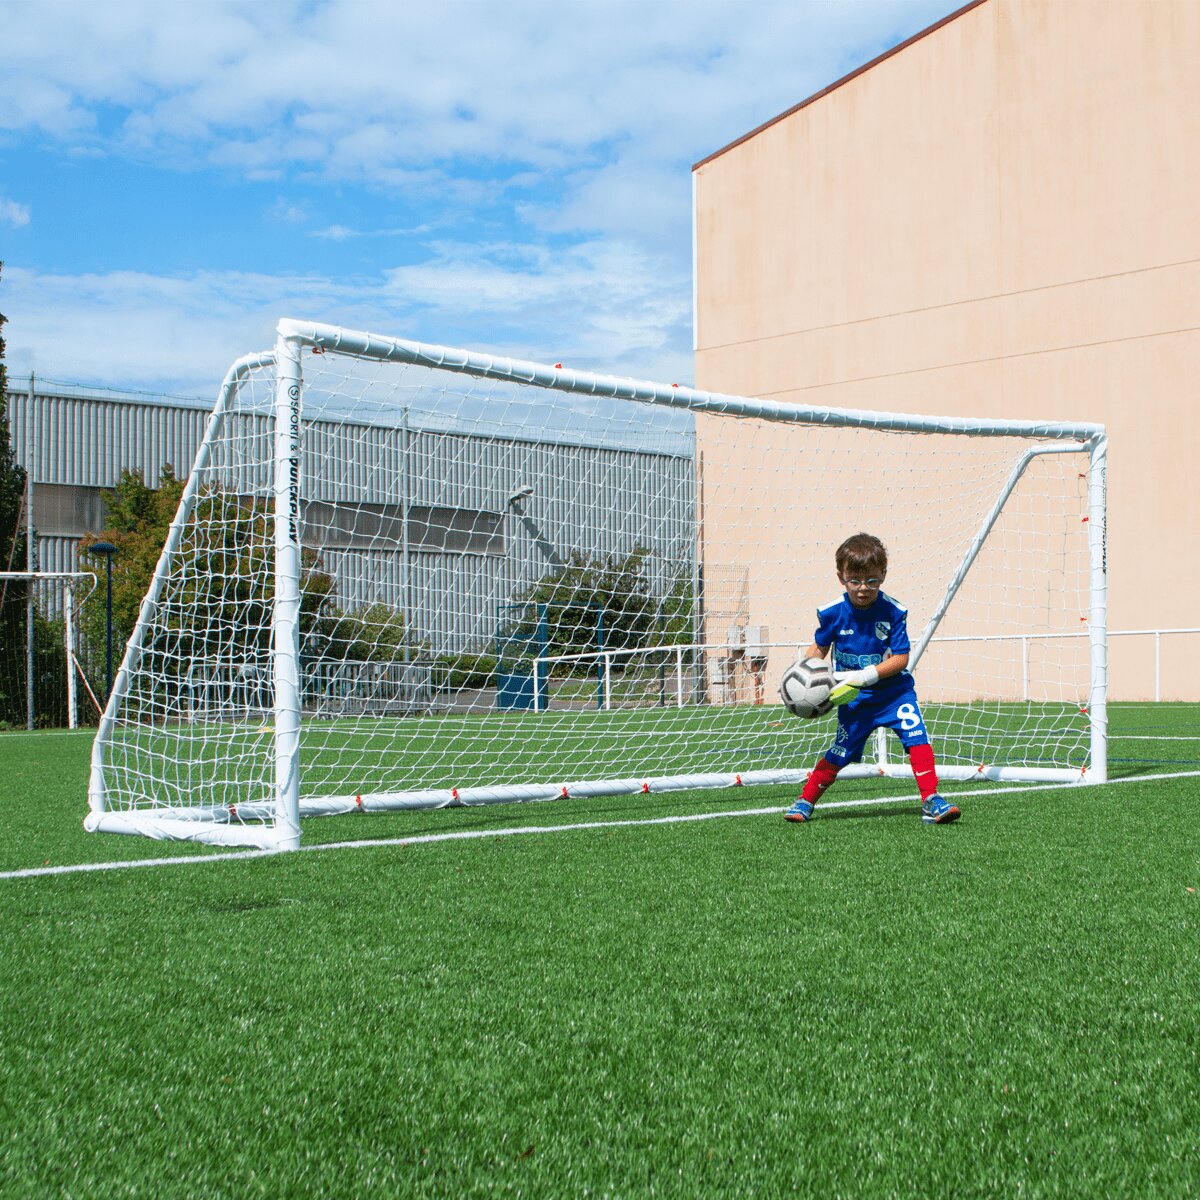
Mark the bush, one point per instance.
(468, 670)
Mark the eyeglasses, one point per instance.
(873, 584)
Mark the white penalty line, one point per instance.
(462, 835)
(1154, 737)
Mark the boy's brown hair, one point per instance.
(861, 553)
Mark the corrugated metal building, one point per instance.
(411, 516)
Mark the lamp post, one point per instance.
(515, 504)
(108, 550)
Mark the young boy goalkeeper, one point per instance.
(868, 632)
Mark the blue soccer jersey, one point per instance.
(864, 637)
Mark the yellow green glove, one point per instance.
(850, 682)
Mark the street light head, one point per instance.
(102, 548)
(521, 493)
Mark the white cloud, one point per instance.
(564, 131)
(286, 212)
(357, 88)
(12, 213)
(582, 119)
(603, 305)
(133, 329)
(180, 333)
(343, 233)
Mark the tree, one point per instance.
(373, 634)
(678, 612)
(592, 602)
(220, 602)
(137, 520)
(13, 557)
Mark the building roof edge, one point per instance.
(916, 37)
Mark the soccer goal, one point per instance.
(408, 576)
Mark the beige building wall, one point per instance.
(999, 218)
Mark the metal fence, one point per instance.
(74, 443)
(223, 691)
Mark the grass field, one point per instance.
(864, 1006)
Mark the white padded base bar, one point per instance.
(193, 824)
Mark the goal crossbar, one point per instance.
(564, 379)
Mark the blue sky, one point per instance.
(510, 176)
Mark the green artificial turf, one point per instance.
(861, 1006)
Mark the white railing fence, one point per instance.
(1027, 638)
(720, 658)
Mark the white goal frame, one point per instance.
(280, 812)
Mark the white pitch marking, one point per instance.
(45, 733)
(472, 834)
(1151, 737)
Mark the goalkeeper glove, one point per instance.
(849, 682)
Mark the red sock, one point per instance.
(819, 778)
(924, 769)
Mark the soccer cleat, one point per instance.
(937, 811)
(802, 810)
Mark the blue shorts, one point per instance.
(856, 722)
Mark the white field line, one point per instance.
(473, 834)
(1150, 737)
(46, 733)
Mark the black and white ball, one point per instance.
(805, 688)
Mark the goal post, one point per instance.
(53, 594)
(126, 794)
(406, 575)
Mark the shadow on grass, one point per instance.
(908, 812)
(1129, 768)
(548, 813)
(386, 827)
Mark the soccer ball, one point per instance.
(805, 688)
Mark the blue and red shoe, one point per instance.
(802, 810)
(938, 811)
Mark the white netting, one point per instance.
(506, 590)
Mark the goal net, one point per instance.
(409, 576)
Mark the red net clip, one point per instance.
(358, 801)
(565, 794)
(454, 793)
(558, 366)
(645, 788)
(737, 780)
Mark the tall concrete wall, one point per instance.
(997, 219)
